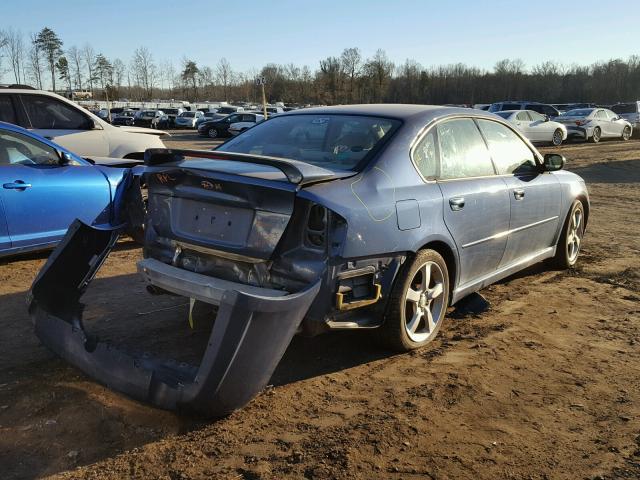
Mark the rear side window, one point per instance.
(50, 113)
(510, 154)
(463, 152)
(600, 115)
(424, 155)
(7, 114)
(523, 116)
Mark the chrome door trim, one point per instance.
(508, 232)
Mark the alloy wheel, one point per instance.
(574, 234)
(425, 301)
(626, 133)
(557, 137)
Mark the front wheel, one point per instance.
(557, 138)
(597, 134)
(568, 247)
(418, 302)
(213, 133)
(626, 133)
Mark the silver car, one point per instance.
(188, 119)
(536, 127)
(630, 112)
(593, 124)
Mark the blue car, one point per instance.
(350, 217)
(45, 187)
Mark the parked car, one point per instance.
(220, 127)
(594, 124)
(630, 112)
(248, 120)
(210, 115)
(72, 126)
(536, 127)
(352, 217)
(45, 188)
(168, 119)
(125, 118)
(188, 119)
(146, 118)
(542, 108)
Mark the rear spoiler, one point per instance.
(297, 172)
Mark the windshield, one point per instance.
(340, 142)
(171, 111)
(625, 108)
(579, 112)
(149, 113)
(188, 114)
(227, 110)
(504, 114)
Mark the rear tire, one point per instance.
(416, 308)
(597, 134)
(213, 133)
(568, 247)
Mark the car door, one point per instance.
(65, 124)
(542, 128)
(617, 124)
(604, 123)
(40, 196)
(534, 196)
(476, 201)
(523, 122)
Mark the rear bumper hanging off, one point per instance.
(251, 332)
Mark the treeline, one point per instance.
(42, 61)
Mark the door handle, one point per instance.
(518, 194)
(17, 185)
(456, 203)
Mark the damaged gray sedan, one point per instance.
(355, 217)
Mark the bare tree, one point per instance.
(75, 65)
(145, 70)
(225, 76)
(34, 63)
(14, 47)
(118, 70)
(351, 63)
(89, 57)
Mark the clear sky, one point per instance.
(250, 33)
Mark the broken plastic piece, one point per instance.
(250, 334)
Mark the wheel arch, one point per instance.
(450, 257)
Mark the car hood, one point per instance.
(114, 162)
(148, 131)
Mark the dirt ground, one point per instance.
(543, 385)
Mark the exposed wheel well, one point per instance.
(443, 249)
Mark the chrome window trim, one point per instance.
(433, 123)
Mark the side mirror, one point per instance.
(546, 118)
(65, 159)
(553, 162)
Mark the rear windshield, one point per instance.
(171, 111)
(625, 108)
(579, 112)
(341, 142)
(227, 110)
(188, 114)
(504, 114)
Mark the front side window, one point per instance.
(463, 152)
(510, 154)
(536, 117)
(523, 116)
(52, 114)
(424, 155)
(332, 141)
(18, 149)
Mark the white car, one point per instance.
(66, 123)
(536, 127)
(248, 121)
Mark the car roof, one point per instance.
(400, 111)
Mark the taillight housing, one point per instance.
(582, 122)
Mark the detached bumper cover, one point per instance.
(250, 334)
